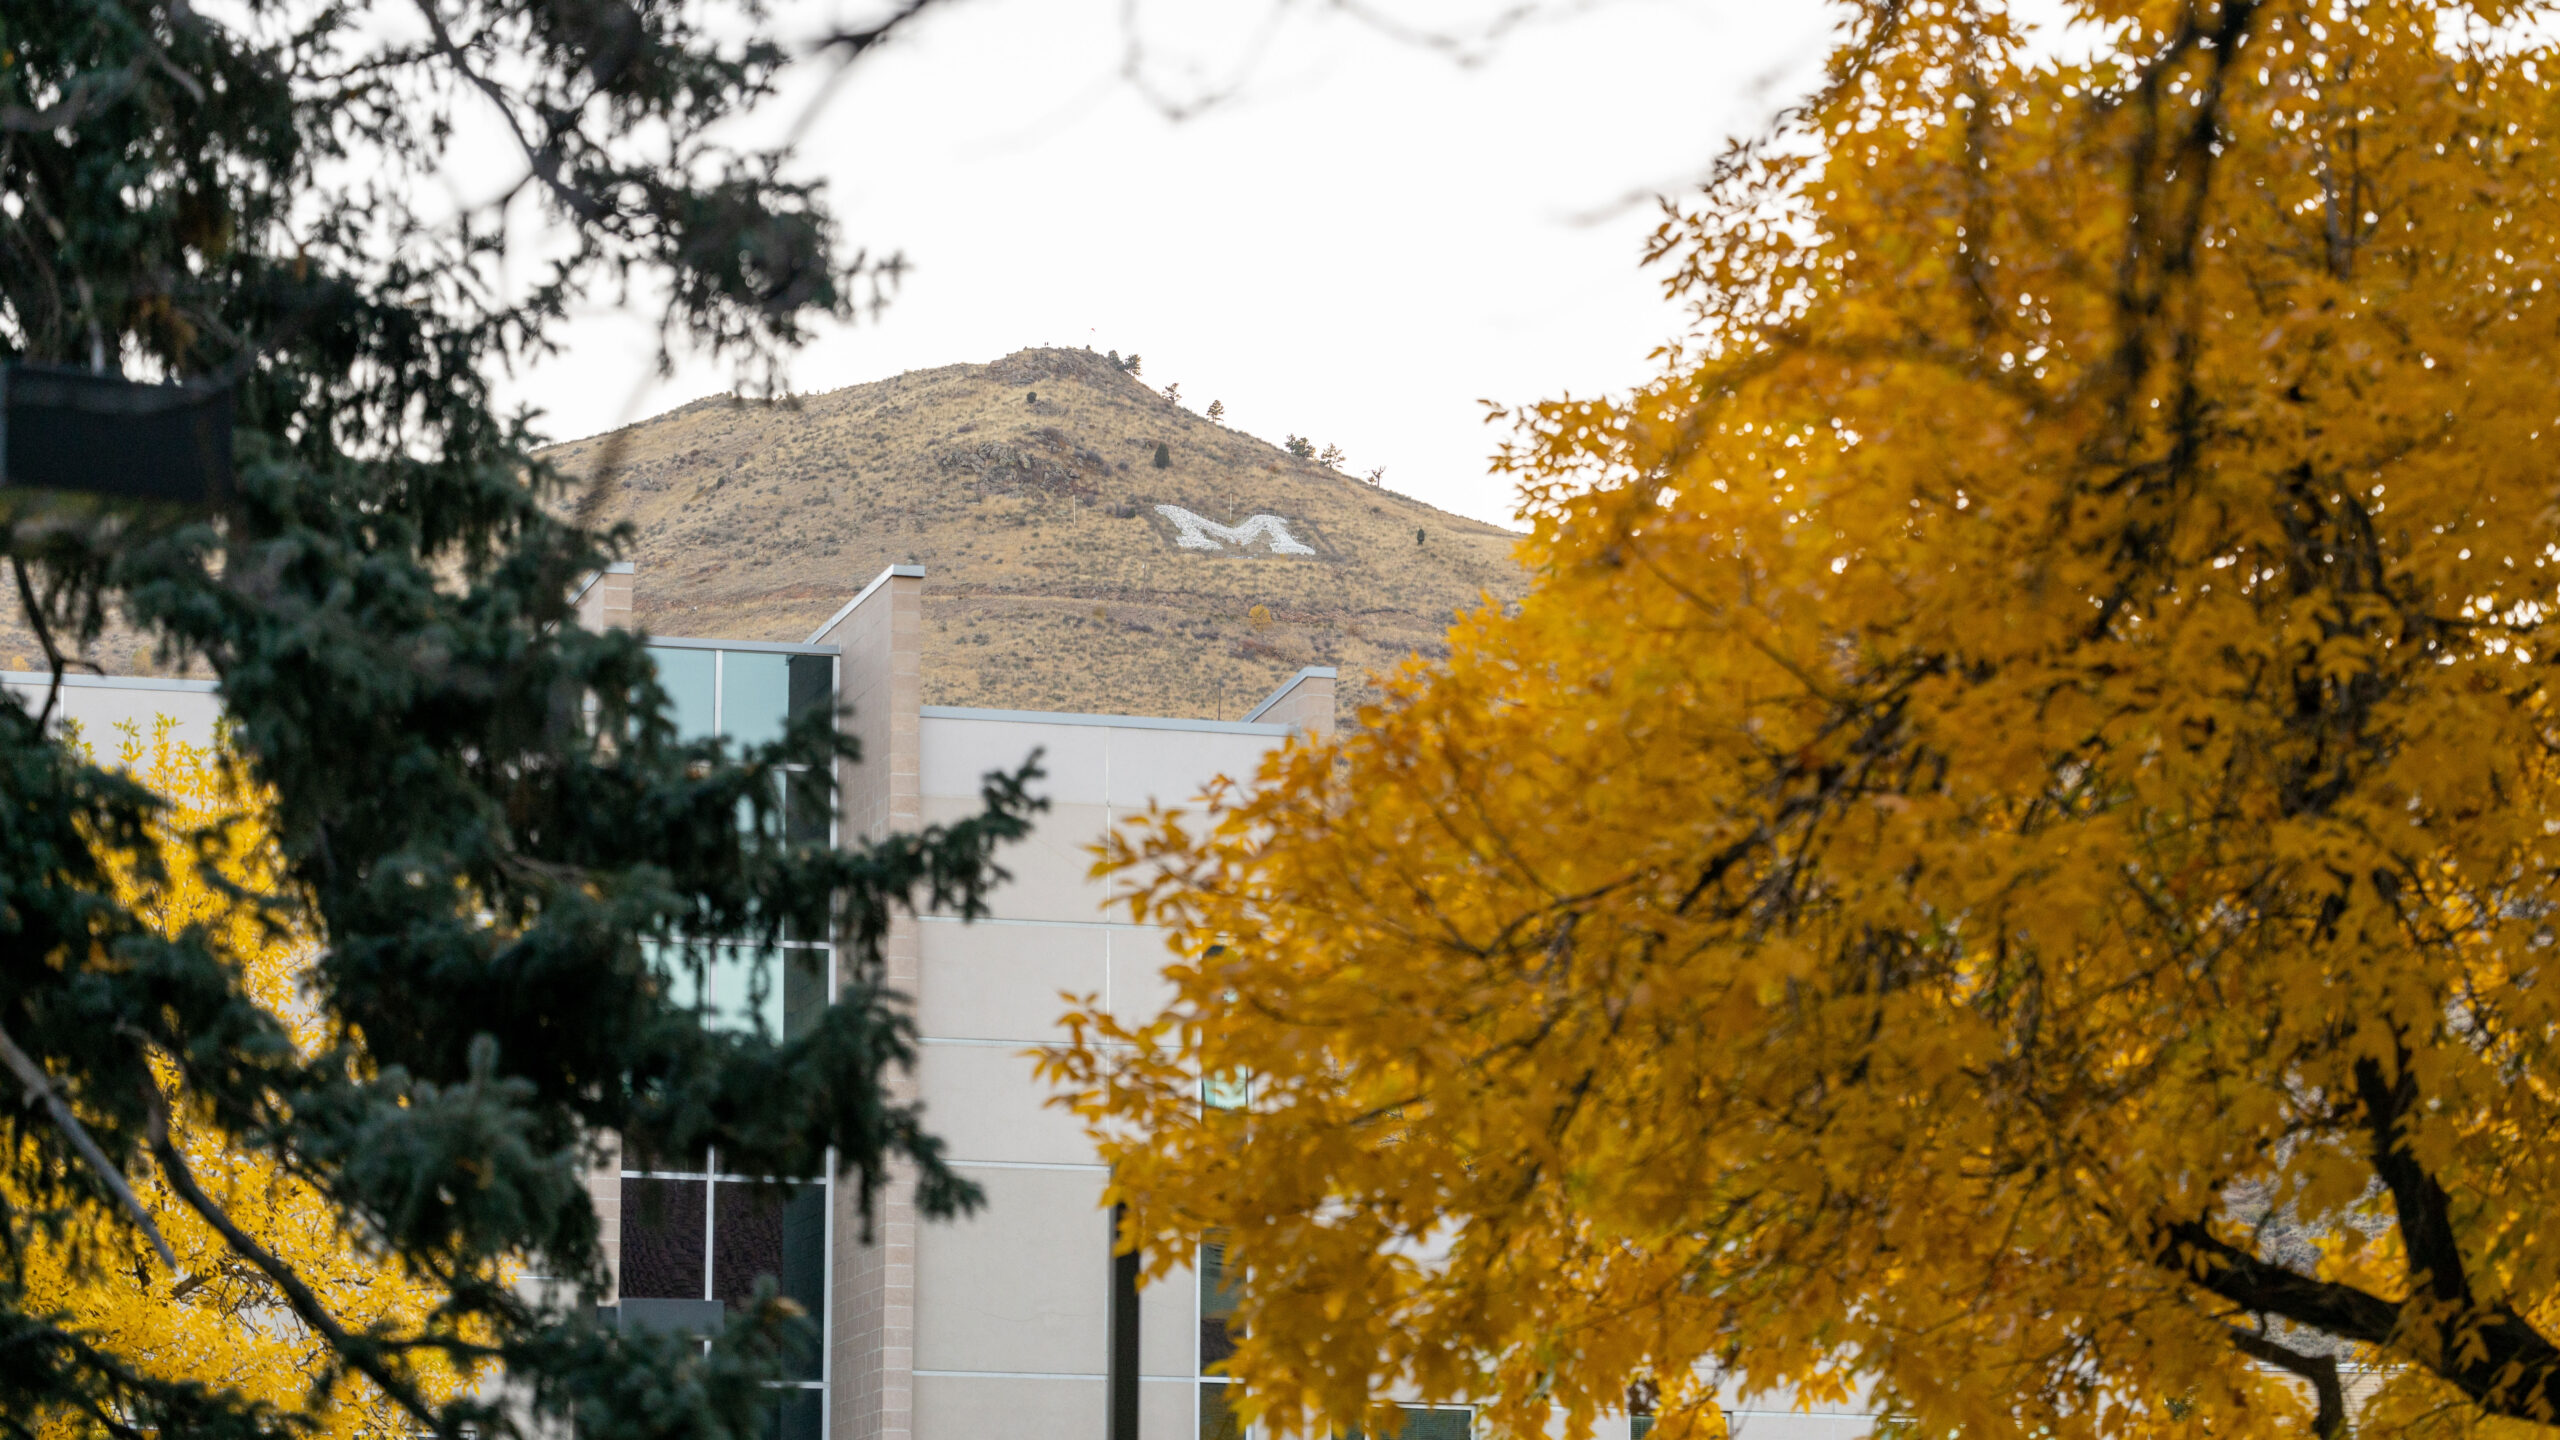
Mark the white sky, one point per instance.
(1361, 244)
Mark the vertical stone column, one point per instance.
(1304, 702)
(604, 602)
(871, 1344)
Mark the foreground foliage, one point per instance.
(2008, 871)
(215, 1319)
(484, 811)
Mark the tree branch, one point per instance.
(359, 1351)
(2320, 1370)
(40, 1091)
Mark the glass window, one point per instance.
(1217, 1304)
(1430, 1423)
(804, 990)
(708, 1242)
(1434, 1424)
(777, 1233)
(808, 807)
(755, 691)
(745, 989)
(798, 1415)
(813, 683)
(662, 1238)
(1217, 1421)
(686, 676)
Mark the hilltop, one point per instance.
(1028, 490)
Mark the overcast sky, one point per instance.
(1360, 244)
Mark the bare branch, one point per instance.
(40, 1090)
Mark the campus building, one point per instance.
(1015, 1321)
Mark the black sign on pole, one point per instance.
(107, 436)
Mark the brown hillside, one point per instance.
(1027, 489)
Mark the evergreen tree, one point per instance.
(1218, 411)
(1332, 457)
(482, 811)
(1164, 456)
(1300, 446)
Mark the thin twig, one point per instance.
(44, 637)
(40, 1089)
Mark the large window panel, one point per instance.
(774, 1233)
(813, 683)
(745, 987)
(688, 678)
(804, 990)
(755, 694)
(662, 1238)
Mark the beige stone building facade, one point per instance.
(1014, 1322)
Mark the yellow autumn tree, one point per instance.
(2008, 871)
(216, 1320)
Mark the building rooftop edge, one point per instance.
(1117, 722)
(911, 572)
(111, 682)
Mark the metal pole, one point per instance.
(1123, 1370)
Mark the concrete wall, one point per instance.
(1010, 1305)
(99, 704)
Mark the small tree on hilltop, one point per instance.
(1133, 365)
(1332, 457)
(1173, 393)
(1218, 410)
(1300, 446)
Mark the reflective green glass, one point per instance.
(755, 693)
(686, 676)
(732, 1001)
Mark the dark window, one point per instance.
(798, 1415)
(662, 1238)
(804, 991)
(775, 1234)
(813, 683)
(808, 804)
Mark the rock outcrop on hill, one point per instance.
(1065, 570)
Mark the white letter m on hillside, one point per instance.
(1198, 532)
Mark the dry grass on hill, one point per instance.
(1027, 489)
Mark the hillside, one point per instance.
(1028, 490)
